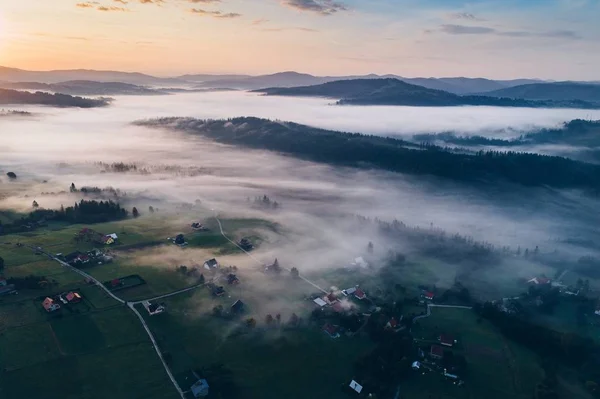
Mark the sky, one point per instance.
(502, 39)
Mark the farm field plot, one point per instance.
(264, 363)
(493, 363)
(125, 372)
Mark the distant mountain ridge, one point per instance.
(84, 88)
(396, 92)
(556, 91)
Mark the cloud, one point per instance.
(292, 28)
(260, 21)
(204, 1)
(120, 1)
(215, 14)
(466, 30)
(89, 4)
(484, 30)
(104, 8)
(321, 7)
(464, 15)
(151, 1)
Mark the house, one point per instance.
(359, 294)
(50, 305)
(232, 279)
(218, 290)
(154, 308)
(82, 258)
(211, 264)
(3, 282)
(179, 239)
(320, 302)
(70, 297)
(330, 298)
(416, 365)
(114, 236)
(436, 352)
(200, 388)
(392, 324)
(331, 330)
(446, 340)
(349, 291)
(7, 289)
(539, 281)
(597, 312)
(237, 307)
(107, 240)
(428, 295)
(356, 386)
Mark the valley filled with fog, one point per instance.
(54, 147)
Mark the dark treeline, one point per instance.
(41, 98)
(438, 243)
(360, 150)
(81, 212)
(575, 132)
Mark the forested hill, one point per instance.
(397, 92)
(389, 154)
(577, 132)
(559, 91)
(56, 100)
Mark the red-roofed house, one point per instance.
(437, 352)
(359, 294)
(446, 340)
(331, 330)
(50, 305)
(393, 323)
(429, 295)
(73, 297)
(330, 298)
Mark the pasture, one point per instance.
(496, 367)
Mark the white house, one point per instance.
(320, 302)
(356, 386)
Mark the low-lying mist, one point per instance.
(318, 203)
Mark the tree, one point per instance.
(201, 279)
(370, 247)
(11, 175)
(276, 267)
(251, 322)
(135, 212)
(278, 318)
(1, 263)
(73, 188)
(35, 204)
(217, 310)
(269, 319)
(151, 209)
(294, 272)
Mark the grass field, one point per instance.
(497, 368)
(265, 363)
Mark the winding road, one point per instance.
(130, 305)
